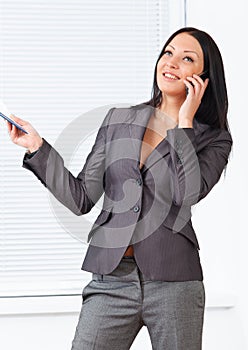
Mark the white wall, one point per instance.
(49, 323)
(224, 248)
(45, 323)
(223, 240)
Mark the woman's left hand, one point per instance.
(196, 88)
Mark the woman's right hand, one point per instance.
(31, 141)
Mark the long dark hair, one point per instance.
(214, 105)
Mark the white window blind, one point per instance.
(59, 59)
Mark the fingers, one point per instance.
(196, 85)
(9, 126)
(18, 120)
(189, 86)
(13, 131)
(202, 83)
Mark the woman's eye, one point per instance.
(188, 59)
(168, 53)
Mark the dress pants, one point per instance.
(116, 306)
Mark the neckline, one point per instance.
(155, 148)
(165, 117)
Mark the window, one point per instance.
(59, 59)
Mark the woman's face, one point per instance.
(182, 58)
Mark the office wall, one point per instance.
(224, 239)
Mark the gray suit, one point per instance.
(149, 208)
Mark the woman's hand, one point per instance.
(196, 88)
(32, 141)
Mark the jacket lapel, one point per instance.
(139, 119)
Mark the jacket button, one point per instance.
(136, 208)
(139, 182)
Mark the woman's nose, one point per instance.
(171, 63)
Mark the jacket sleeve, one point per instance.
(193, 174)
(81, 193)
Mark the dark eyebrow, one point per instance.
(185, 50)
(192, 52)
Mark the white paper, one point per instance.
(4, 109)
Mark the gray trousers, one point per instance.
(117, 305)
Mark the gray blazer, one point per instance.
(149, 208)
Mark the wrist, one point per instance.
(35, 146)
(185, 123)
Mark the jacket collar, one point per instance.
(139, 118)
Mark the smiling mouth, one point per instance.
(170, 76)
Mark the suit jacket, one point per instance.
(149, 208)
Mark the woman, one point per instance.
(153, 162)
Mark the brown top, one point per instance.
(155, 132)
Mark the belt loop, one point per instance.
(141, 276)
(97, 277)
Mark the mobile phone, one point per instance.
(13, 122)
(203, 76)
(5, 113)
